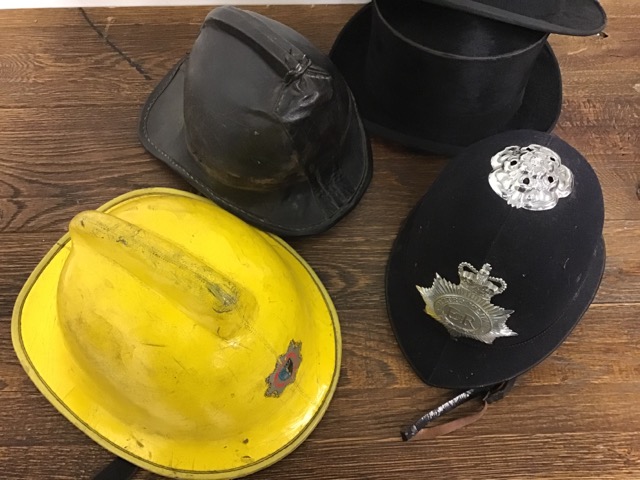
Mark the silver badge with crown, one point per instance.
(466, 309)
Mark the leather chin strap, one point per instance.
(451, 425)
(489, 395)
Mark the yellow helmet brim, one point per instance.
(46, 356)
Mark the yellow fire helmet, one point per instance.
(178, 337)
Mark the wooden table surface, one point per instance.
(72, 83)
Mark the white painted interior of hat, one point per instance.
(10, 4)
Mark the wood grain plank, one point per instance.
(157, 49)
(568, 456)
(536, 411)
(70, 96)
(354, 279)
(195, 14)
(555, 397)
(103, 164)
(372, 359)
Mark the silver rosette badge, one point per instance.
(530, 177)
(466, 309)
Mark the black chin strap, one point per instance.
(118, 469)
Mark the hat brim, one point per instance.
(442, 361)
(576, 17)
(46, 357)
(540, 108)
(297, 210)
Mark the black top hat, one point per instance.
(498, 261)
(261, 122)
(570, 17)
(436, 79)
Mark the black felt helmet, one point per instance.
(498, 262)
(260, 121)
